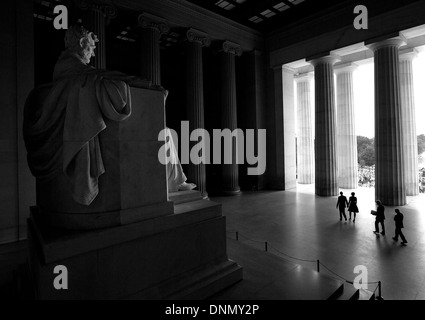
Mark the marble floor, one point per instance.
(305, 226)
(302, 225)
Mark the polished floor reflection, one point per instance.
(305, 226)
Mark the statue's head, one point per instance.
(80, 41)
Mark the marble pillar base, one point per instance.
(229, 192)
(178, 256)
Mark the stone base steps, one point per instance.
(348, 292)
(184, 196)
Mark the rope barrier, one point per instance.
(333, 272)
(287, 255)
(249, 239)
(268, 245)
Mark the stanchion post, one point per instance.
(318, 265)
(237, 236)
(266, 245)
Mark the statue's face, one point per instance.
(88, 47)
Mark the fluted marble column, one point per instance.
(326, 180)
(410, 143)
(282, 161)
(195, 98)
(230, 172)
(346, 130)
(96, 15)
(151, 29)
(305, 134)
(389, 172)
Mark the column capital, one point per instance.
(105, 7)
(387, 43)
(197, 36)
(307, 76)
(284, 68)
(287, 69)
(147, 20)
(346, 67)
(408, 54)
(329, 59)
(233, 48)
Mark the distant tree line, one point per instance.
(366, 149)
(421, 143)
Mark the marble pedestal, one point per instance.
(134, 241)
(179, 256)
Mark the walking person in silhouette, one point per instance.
(352, 206)
(380, 217)
(398, 218)
(341, 204)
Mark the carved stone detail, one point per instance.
(197, 36)
(147, 20)
(233, 48)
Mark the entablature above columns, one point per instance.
(147, 20)
(183, 14)
(346, 67)
(408, 54)
(412, 40)
(285, 45)
(324, 59)
(105, 7)
(286, 69)
(304, 77)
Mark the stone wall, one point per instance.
(17, 187)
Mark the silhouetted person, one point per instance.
(341, 204)
(398, 218)
(352, 206)
(380, 217)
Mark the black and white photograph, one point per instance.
(212, 158)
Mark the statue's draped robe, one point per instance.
(175, 174)
(61, 132)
